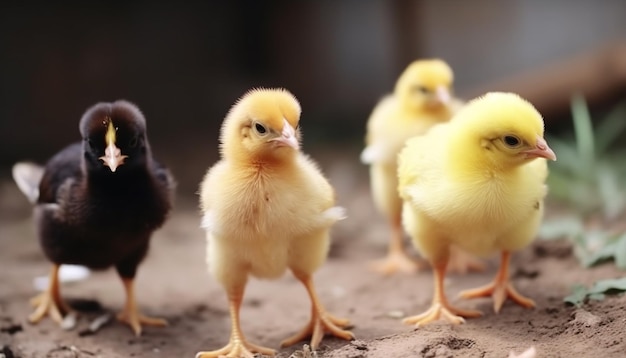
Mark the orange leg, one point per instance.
(321, 321)
(440, 308)
(397, 259)
(500, 288)
(237, 345)
(461, 262)
(50, 302)
(131, 316)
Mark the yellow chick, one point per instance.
(421, 99)
(267, 207)
(477, 182)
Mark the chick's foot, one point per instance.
(50, 302)
(47, 305)
(135, 320)
(321, 321)
(397, 261)
(440, 307)
(131, 316)
(500, 289)
(237, 348)
(439, 310)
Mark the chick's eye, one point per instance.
(260, 128)
(133, 142)
(421, 89)
(512, 141)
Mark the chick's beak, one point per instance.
(113, 157)
(541, 150)
(287, 137)
(442, 94)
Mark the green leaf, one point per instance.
(598, 291)
(583, 131)
(610, 128)
(620, 252)
(610, 191)
(609, 286)
(577, 297)
(596, 296)
(561, 227)
(595, 246)
(569, 158)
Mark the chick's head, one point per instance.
(114, 137)
(262, 126)
(501, 129)
(425, 84)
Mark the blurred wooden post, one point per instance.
(408, 42)
(599, 75)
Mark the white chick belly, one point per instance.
(477, 232)
(258, 255)
(477, 242)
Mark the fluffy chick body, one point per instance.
(421, 99)
(477, 182)
(479, 210)
(98, 203)
(266, 219)
(118, 214)
(267, 207)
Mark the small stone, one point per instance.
(397, 314)
(360, 345)
(586, 318)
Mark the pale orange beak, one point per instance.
(443, 95)
(287, 137)
(113, 157)
(541, 150)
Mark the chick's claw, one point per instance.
(50, 303)
(501, 288)
(499, 291)
(320, 323)
(135, 320)
(237, 349)
(395, 262)
(441, 310)
(46, 304)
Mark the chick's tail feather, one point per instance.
(27, 176)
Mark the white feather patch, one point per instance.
(27, 176)
(371, 154)
(67, 273)
(335, 213)
(208, 221)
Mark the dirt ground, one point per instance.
(173, 283)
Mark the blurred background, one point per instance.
(185, 63)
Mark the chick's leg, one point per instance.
(462, 262)
(384, 186)
(397, 259)
(321, 321)
(50, 302)
(501, 288)
(130, 315)
(237, 345)
(440, 308)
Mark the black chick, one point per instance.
(97, 204)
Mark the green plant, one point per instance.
(597, 291)
(589, 181)
(590, 173)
